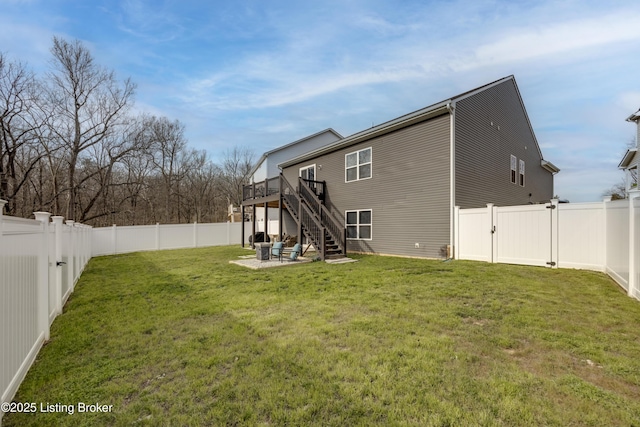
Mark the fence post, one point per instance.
(606, 231)
(554, 232)
(456, 231)
(229, 233)
(493, 245)
(71, 259)
(83, 247)
(57, 224)
(77, 245)
(114, 238)
(195, 234)
(157, 236)
(2, 203)
(633, 245)
(43, 276)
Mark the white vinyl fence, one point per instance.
(117, 240)
(602, 236)
(40, 262)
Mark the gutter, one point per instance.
(450, 107)
(548, 166)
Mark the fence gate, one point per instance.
(522, 234)
(510, 234)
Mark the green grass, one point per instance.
(183, 338)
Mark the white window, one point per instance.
(358, 224)
(308, 172)
(521, 173)
(358, 165)
(514, 165)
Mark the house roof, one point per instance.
(634, 117)
(628, 157)
(443, 107)
(549, 166)
(284, 147)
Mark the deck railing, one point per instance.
(260, 189)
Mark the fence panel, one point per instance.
(67, 281)
(217, 234)
(115, 240)
(474, 234)
(523, 235)
(176, 236)
(635, 292)
(581, 236)
(617, 241)
(20, 335)
(134, 238)
(52, 280)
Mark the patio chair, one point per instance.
(295, 252)
(276, 250)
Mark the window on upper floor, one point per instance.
(521, 169)
(514, 165)
(358, 165)
(358, 224)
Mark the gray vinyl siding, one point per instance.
(483, 151)
(408, 193)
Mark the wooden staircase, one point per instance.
(315, 221)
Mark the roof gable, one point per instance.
(443, 107)
(292, 146)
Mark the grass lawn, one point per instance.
(183, 338)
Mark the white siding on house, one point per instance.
(269, 167)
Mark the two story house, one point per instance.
(392, 189)
(629, 163)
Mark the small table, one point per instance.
(263, 251)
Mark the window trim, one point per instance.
(521, 171)
(358, 165)
(514, 171)
(315, 169)
(357, 224)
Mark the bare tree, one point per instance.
(202, 189)
(69, 146)
(20, 122)
(617, 191)
(89, 107)
(236, 165)
(169, 156)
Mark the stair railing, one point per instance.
(334, 226)
(311, 225)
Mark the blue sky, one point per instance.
(261, 74)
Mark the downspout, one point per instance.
(452, 178)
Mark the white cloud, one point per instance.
(630, 101)
(292, 74)
(565, 37)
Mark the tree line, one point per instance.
(71, 145)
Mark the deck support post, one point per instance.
(242, 229)
(253, 227)
(280, 215)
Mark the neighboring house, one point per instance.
(629, 163)
(267, 167)
(392, 189)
